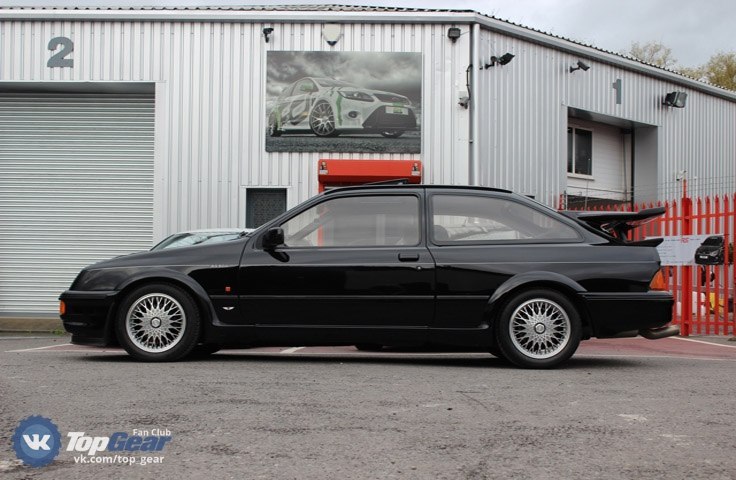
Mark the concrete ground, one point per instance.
(30, 324)
(628, 408)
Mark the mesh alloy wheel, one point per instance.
(158, 322)
(539, 328)
(155, 323)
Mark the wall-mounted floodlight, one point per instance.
(453, 33)
(675, 99)
(581, 65)
(502, 60)
(267, 33)
(332, 32)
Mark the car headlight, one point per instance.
(359, 96)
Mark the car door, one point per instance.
(300, 102)
(349, 262)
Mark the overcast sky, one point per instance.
(694, 30)
(392, 72)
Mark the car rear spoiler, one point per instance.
(618, 224)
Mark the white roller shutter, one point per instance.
(76, 187)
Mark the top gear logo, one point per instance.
(37, 441)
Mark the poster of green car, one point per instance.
(343, 102)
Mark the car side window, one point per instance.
(472, 218)
(360, 221)
(305, 86)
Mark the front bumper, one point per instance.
(383, 119)
(614, 314)
(87, 316)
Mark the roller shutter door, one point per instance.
(76, 187)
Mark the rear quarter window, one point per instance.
(474, 218)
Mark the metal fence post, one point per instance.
(687, 270)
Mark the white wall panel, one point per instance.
(523, 117)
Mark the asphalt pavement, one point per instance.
(620, 409)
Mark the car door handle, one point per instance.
(408, 257)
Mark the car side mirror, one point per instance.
(273, 238)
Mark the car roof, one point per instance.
(407, 186)
(215, 230)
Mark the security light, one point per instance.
(266, 32)
(675, 99)
(502, 60)
(580, 66)
(453, 33)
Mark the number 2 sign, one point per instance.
(59, 59)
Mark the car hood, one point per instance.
(203, 254)
(367, 90)
(110, 274)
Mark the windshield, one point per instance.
(331, 82)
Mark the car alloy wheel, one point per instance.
(392, 133)
(155, 323)
(158, 322)
(538, 328)
(322, 120)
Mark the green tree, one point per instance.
(654, 53)
(721, 70)
(694, 72)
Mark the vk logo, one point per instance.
(36, 441)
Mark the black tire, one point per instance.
(538, 328)
(158, 322)
(494, 348)
(273, 129)
(203, 350)
(322, 120)
(369, 347)
(392, 133)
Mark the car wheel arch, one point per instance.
(198, 294)
(549, 280)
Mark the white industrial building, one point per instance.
(121, 126)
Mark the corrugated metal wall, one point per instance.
(524, 110)
(210, 105)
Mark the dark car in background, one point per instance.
(386, 265)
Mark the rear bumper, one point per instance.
(87, 315)
(612, 314)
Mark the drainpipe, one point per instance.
(474, 151)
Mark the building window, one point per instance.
(579, 151)
(263, 204)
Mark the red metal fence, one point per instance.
(704, 295)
